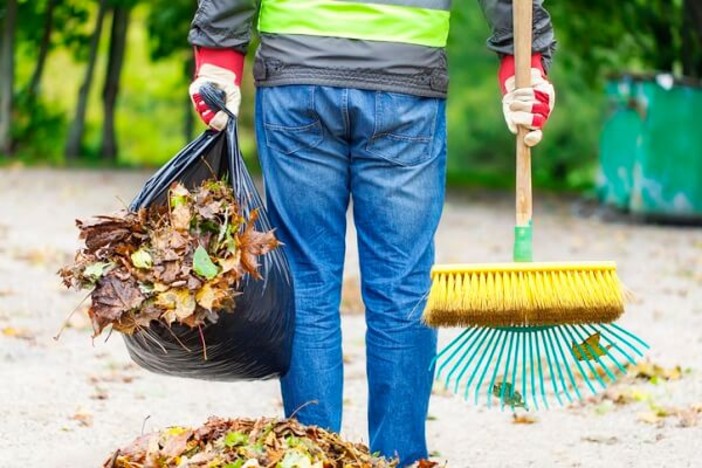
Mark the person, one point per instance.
(350, 106)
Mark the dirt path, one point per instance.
(69, 403)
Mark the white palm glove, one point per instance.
(529, 107)
(222, 68)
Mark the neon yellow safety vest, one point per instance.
(419, 22)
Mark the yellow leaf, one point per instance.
(20, 333)
(179, 300)
(655, 372)
(590, 348)
(142, 259)
(523, 419)
(161, 287)
(206, 297)
(639, 395)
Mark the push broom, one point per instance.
(533, 330)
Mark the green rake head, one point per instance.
(524, 367)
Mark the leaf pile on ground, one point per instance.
(179, 262)
(245, 443)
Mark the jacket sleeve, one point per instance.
(499, 16)
(223, 24)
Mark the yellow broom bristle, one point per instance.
(517, 294)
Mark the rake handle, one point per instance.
(522, 20)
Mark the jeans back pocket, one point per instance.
(403, 129)
(289, 118)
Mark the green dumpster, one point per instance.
(651, 147)
(618, 143)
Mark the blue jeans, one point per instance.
(319, 148)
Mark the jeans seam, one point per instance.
(345, 113)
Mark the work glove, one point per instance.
(223, 68)
(530, 106)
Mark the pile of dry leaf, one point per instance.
(180, 262)
(245, 443)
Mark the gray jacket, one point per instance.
(284, 59)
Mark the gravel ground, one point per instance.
(68, 403)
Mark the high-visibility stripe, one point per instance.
(368, 21)
(433, 4)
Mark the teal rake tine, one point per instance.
(462, 361)
(531, 368)
(505, 376)
(631, 335)
(551, 351)
(470, 360)
(494, 372)
(626, 341)
(605, 334)
(615, 343)
(577, 363)
(487, 365)
(458, 343)
(523, 358)
(609, 355)
(520, 338)
(587, 361)
(494, 335)
(456, 365)
(541, 376)
(604, 367)
(552, 334)
(454, 342)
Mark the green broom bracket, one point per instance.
(523, 250)
(525, 328)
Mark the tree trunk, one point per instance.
(118, 44)
(44, 47)
(75, 134)
(7, 75)
(692, 38)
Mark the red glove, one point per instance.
(223, 68)
(531, 106)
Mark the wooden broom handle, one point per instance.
(522, 17)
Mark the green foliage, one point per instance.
(168, 23)
(643, 35)
(594, 39)
(481, 149)
(37, 129)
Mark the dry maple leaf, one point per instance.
(111, 298)
(143, 268)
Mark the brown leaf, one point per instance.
(105, 230)
(176, 444)
(231, 262)
(181, 216)
(423, 463)
(84, 419)
(689, 417)
(168, 272)
(112, 298)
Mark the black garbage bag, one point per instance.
(254, 340)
